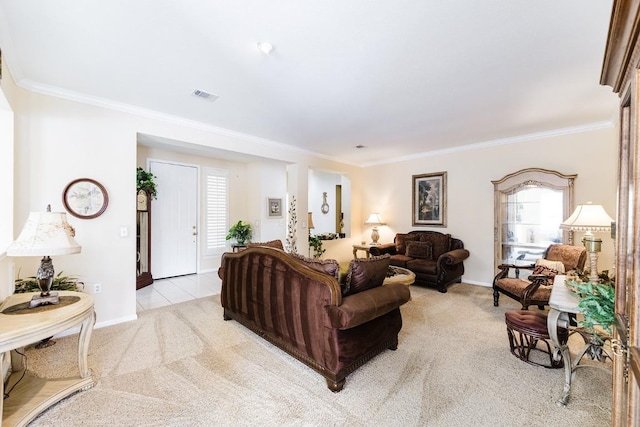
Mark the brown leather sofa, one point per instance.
(435, 258)
(303, 311)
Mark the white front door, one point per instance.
(174, 216)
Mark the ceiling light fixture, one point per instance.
(266, 47)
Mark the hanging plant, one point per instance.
(316, 243)
(146, 182)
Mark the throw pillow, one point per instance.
(271, 243)
(328, 266)
(419, 250)
(441, 243)
(401, 242)
(550, 273)
(366, 273)
(554, 265)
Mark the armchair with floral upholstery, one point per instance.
(536, 288)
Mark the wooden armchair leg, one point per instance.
(496, 296)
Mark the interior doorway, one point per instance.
(174, 221)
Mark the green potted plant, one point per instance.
(145, 181)
(60, 283)
(241, 232)
(316, 243)
(597, 304)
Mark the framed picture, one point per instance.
(429, 197)
(85, 198)
(274, 208)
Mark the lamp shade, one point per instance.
(310, 221)
(374, 219)
(588, 218)
(45, 233)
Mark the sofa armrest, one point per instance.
(387, 248)
(364, 306)
(453, 257)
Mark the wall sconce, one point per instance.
(375, 220)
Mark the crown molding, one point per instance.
(58, 92)
(498, 142)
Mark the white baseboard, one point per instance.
(98, 325)
(474, 282)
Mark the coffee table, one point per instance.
(399, 275)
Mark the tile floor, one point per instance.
(177, 289)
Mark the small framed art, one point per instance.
(274, 208)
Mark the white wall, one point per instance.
(58, 140)
(592, 155)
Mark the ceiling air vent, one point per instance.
(204, 95)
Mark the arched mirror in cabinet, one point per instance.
(143, 240)
(529, 206)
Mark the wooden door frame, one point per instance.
(621, 71)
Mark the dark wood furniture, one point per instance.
(536, 288)
(143, 240)
(302, 311)
(529, 336)
(440, 266)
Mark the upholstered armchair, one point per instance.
(536, 288)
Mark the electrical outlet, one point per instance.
(97, 288)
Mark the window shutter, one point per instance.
(217, 223)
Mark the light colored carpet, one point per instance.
(183, 365)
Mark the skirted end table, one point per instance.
(21, 326)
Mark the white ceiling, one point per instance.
(400, 77)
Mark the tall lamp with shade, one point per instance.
(589, 218)
(375, 220)
(45, 234)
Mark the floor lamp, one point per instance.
(589, 218)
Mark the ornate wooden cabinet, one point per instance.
(621, 71)
(143, 240)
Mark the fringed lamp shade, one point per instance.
(589, 218)
(45, 233)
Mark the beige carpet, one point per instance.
(184, 366)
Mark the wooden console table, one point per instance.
(357, 248)
(21, 326)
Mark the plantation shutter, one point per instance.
(217, 202)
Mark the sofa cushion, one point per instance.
(419, 250)
(328, 266)
(271, 243)
(400, 260)
(401, 242)
(441, 243)
(366, 273)
(427, 266)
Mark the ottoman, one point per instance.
(529, 338)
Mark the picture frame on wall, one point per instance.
(85, 198)
(274, 207)
(429, 198)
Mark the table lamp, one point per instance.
(589, 218)
(375, 220)
(44, 234)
